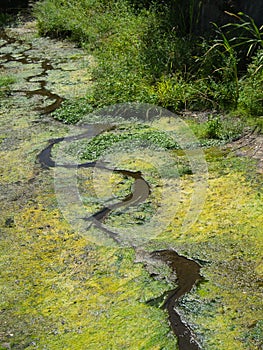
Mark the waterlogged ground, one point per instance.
(60, 289)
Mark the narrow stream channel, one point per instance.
(187, 271)
(25, 59)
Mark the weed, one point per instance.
(246, 33)
(251, 92)
(72, 111)
(228, 70)
(213, 127)
(103, 142)
(5, 82)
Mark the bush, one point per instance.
(251, 91)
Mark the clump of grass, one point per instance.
(5, 82)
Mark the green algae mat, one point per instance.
(66, 283)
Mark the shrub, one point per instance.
(251, 91)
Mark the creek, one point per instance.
(16, 53)
(187, 271)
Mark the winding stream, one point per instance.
(186, 270)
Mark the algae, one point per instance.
(61, 291)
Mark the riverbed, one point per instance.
(72, 286)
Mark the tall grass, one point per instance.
(144, 55)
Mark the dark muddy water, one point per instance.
(187, 273)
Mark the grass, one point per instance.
(140, 58)
(5, 82)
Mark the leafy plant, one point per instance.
(248, 33)
(222, 128)
(100, 143)
(251, 92)
(213, 127)
(72, 111)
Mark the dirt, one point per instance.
(249, 145)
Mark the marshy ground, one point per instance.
(59, 289)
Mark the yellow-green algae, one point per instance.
(83, 296)
(59, 291)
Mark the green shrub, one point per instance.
(251, 91)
